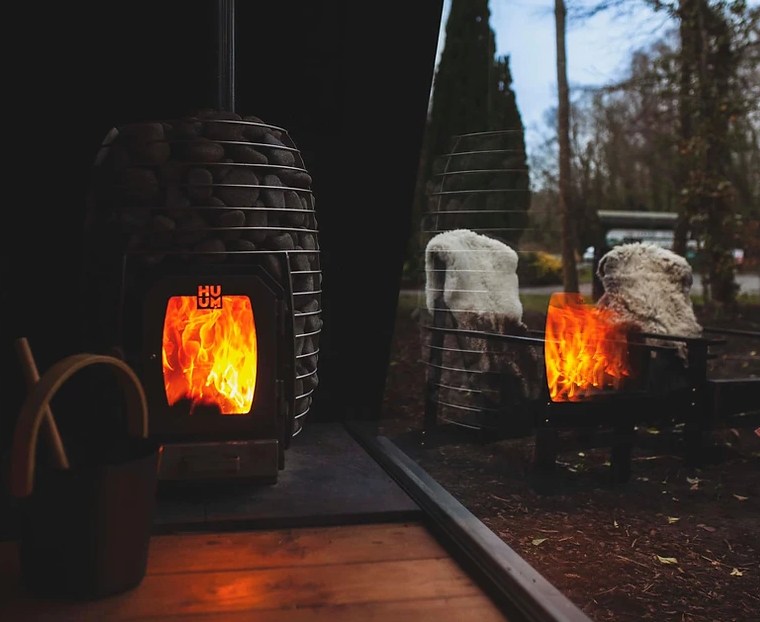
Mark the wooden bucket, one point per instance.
(85, 530)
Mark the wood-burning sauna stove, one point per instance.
(203, 273)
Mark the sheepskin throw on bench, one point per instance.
(474, 273)
(649, 287)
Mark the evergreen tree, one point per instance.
(474, 114)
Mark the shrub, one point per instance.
(539, 268)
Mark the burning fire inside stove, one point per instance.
(585, 349)
(209, 351)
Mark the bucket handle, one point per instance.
(37, 402)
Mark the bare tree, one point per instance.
(714, 43)
(569, 270)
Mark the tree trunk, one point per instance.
(708, 66)
(689, 46)
(569, 271)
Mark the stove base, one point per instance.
(250, 460)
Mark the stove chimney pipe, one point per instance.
(226, 54)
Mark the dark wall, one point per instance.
(350, 82)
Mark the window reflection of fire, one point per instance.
(585, 350)
(210, 356)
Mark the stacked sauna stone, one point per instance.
(215, 187)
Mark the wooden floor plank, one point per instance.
(275, 588)
(449, 609)
(454, 609)
(286, 547)
(376, 572)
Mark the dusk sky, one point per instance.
(598, 50)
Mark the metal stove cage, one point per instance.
(481, 184)
(211, 189)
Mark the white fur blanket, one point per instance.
(474, 278)
(474, 273)
(649, 287)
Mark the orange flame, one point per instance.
(585, 351)
(210, 355)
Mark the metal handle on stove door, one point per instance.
(23, 450)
